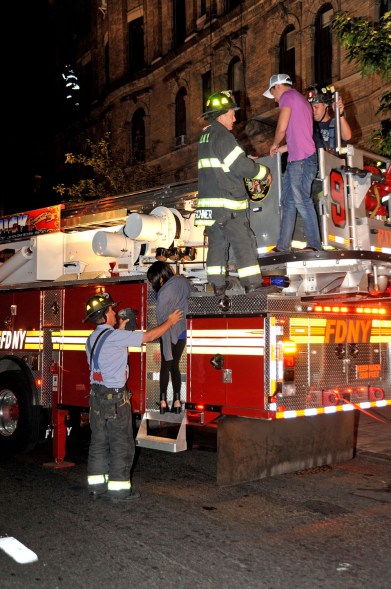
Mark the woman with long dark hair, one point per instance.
(172, 292)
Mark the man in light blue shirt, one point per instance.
(112, 446)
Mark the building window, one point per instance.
(179, 22)
(231, 4)
(88, 84)
(384, 6)
(180, 116)
(107, 65)
(287, 52)
(136, 45)
(236, 84)
(138, 137)
(158, 30)
(323, 45)
(206, 80)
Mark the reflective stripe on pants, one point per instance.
(234, 232)
(112, 447)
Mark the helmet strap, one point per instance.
(324, 114)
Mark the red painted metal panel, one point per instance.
(75, 375)
(239, 384)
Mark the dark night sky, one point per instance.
(29, 112)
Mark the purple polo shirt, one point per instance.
(299, 134)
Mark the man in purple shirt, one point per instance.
(295, 124)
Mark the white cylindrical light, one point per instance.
(115, 245)
(17, 261)
(144, 228)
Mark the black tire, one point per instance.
(19, 418)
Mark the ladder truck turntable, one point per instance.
(284, 370)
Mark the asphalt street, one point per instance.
(326, 527)
(374, 432)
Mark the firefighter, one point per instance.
(321, 98)
(112, 445)
(223, 203)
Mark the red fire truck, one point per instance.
(263, 370)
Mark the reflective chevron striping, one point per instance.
(331, 409)
(72, 340)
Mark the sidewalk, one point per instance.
(373, 435)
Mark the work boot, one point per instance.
(134, 495)
(257, 289)
(94, 495)
(220, 290)
(254, 289)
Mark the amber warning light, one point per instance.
(343, 309)
(289, 348)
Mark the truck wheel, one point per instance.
(19, 418)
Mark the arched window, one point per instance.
(323, 45)
(138, 137)
(287, 52)
(236, 84)
(180, 115)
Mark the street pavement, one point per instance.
(327, 527)
(374, 432)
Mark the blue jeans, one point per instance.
(296, 197)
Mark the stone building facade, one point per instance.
(146, 67)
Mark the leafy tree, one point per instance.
(369, 43)
(103, 174)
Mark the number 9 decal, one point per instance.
(338, 209)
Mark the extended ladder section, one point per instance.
(162, 432)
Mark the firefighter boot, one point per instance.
(134, 495)
(94, 495)
(254, 290)
(220, 290)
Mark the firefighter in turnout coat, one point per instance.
(223, 203)
(112, 445)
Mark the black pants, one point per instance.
(235, 232)
(168, 367)
(112, 447)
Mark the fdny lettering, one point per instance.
(203, 214)
(351, 331)
(12, 340)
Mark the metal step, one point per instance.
(152, 422)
